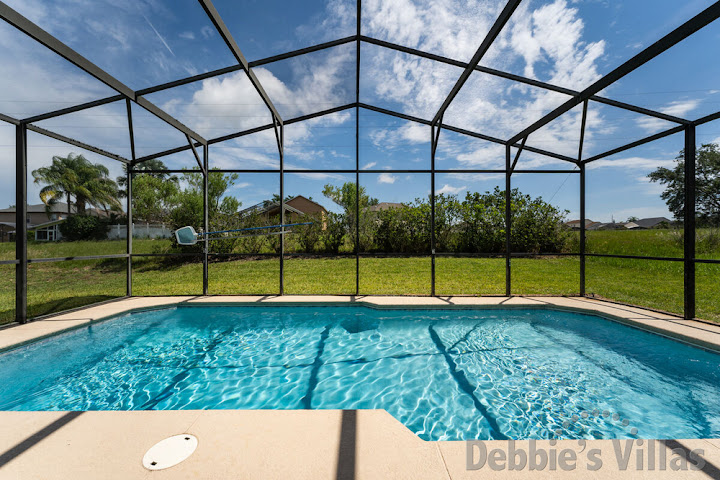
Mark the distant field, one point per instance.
(56, 286)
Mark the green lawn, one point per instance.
(56, 286)
(62, 285)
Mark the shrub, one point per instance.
(404, 229)
(84, 227)
(308, 236)
(334, 233)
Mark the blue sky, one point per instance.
(565, 42)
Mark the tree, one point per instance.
(154, 197)
(707, 184)
(222, 209)
(189, 209)
(75, 176)
(153, 164)
(345, 196)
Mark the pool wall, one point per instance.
(699, 334)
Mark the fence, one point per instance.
(140, 230)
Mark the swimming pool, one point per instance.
(445, 374)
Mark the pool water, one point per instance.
(445, 374)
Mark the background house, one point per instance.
(642, 224)
(575, 224)
(295, 208)
(384, 206)
(41, 219)
(653, 222)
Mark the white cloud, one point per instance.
(448, 189)
(652, 189)
(415, 133)
(678, 108)
(548, 38)
(207, 31)
(386, 178)
(368, 166)
(635, 163)
(187, 35)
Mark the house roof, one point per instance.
(651, 222)
(384, 206)
(59, 207)
(268, 206)
(573, 223)
(297, 197)
(46, 224)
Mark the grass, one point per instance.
(652, 243)
(81, 249)
(58, 286)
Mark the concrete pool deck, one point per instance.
(312, 444)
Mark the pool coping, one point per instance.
(696, 333)
(300, 443)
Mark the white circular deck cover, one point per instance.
(170, 452)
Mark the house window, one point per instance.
(41, 235)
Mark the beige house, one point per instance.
(40, 219)
(295, 208)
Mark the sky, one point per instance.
(570, 43)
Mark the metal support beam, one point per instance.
(44, 38)
(8, 119)
(434, 138)
(495, 30)
(517, 155)
(467, 132)
(77, 143)
(583, 247)
(343, 41)
(192, 79)
(524, 80)
(129, 242)
(508, 223)
(358, 18)
(152, 108)
(282, 209)
(222, 29)
(206, 218)
(582, 198)
(689, 222)
(365, 106)
(195, 154)
(75, 108)
(250, 131)
(21, 254)
(707, 118)
(699, 21)
(636, 143)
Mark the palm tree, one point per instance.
(75, 176)
(153, 164)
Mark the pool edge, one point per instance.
(697, 334)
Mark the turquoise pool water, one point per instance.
(445, 374)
